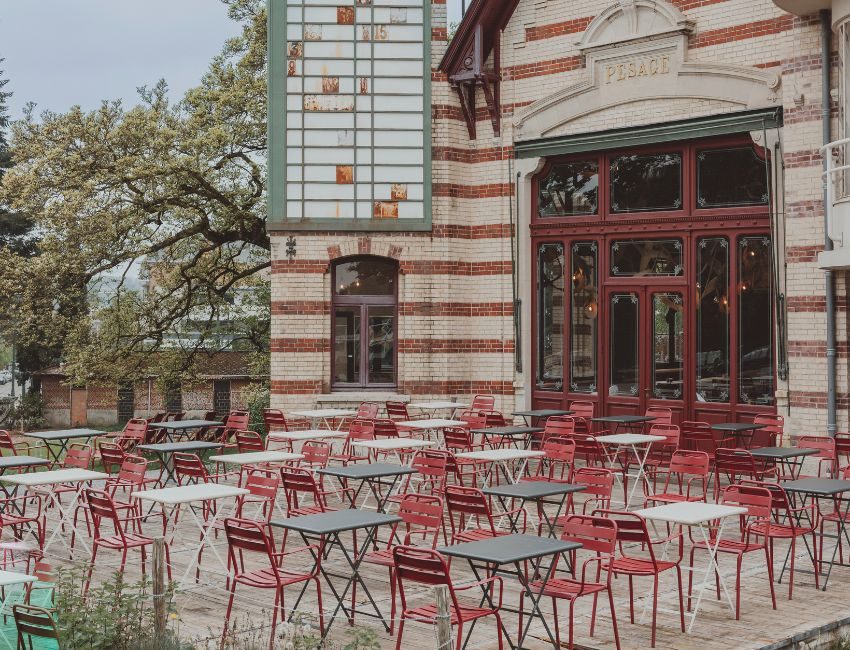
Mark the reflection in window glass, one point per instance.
(641, 183)
(366, 276)
(755, 322)
(570, 188)
(730, 177)
(668, 345)
(646, 257)
(347, 345)
(583, 322)
(550, 317)
(624, 344)
(381, 345)
(713, 320)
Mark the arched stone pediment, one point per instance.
(632, 19)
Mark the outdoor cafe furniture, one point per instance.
(291, 437)
(426, 427)
(256, 458)
(183, 427)
(10, 579)
(685, 478)
(541, 494)
(631, 423)
(373, 475)
(325, 417)
(499, 460)
(438, 405)
(520, 556)
(63, 438)
(172, 500)
(164, 452)
(50, 481)
(398, 447)
(327, 528)
(709, 519)
(498, 436)
(536, 415)
(742, 431)
(636, 445)
(24, 463)
(736, 464)
(470, 516)
(789, 460)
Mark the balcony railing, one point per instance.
(838, 191)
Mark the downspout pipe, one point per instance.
(829, 277)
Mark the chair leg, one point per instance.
(631, 601)
(459, 644)
(791, 574)
(91, 569)
(654, 607)
(321, 610)
(555, 620)
(400, 634)
(572, 618)
(227, 615)
(392, 601)
(769, 556)
(816, 560)
(681, 597)
(613, 618)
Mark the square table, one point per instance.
(525, 432)
(786, 456)
(396, 446)
(53, 478)
(698, 514)
(182, 427)
(639, 444)
(433, 424)
(174, 497)
(822, 488)
(499, 458)
(374, 475)
(164, 450)
(541, 414)
(630, 422)
(327, 528)
(19, 462)
(10, 579)
(64, 438)
(538, 492)
(514, 551)
(438, 405)
(324, 415)
(740, 430)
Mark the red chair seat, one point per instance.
(381, 558)
(732, 546)
(428, 614)
(266, 578)
(779, 531)
(637, 566)
(569, 589)
(475, 534)
(131, 540)
(673, 497)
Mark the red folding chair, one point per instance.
(9, 447)
(135, 432)
(275, 420)
(20, 514)
(430, 477)
(254, 539)
(598, 485)
(357, 430)
(111, 456)
(684, 479)
(826, 456)
(598, 537)
(735, 464)
(770, 435)
(249, 441)
(557, 425)
(583, 412)
(558, 463)
(397, 411)
(662, 414)
(427, 567)
(458, 440)
(699, 436)
(470, 516)
(483, 403)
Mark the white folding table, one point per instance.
(425, 426)
(291, 437)
(639, 445)
(438, 405)
(499, 458)
(698, 514)
(174, 497)
(256, 458)
(394, 445)
(324, 416)
(48, 480)
(9, 579)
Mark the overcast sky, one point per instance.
(65, 52)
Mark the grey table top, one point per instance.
(542, 413)
(508, 549)
(366, 471)
(65, 434)
(817, 486)
(624, 419)
(533, 489)
(736, 427)
(782, 452)
(336, 521)
(508, 431)
(186, 424)
(7, 462)
(172, 447)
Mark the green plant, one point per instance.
(28, 412)
(258, 398)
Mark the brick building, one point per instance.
(619, 202)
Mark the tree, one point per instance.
(176, 190)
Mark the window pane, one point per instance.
(570, 188)
(713, 320)
(585, 309)
(667, 345)
(624, 344)
(646, 257)
(381, 345)
(347, 345)
(728, 177)
(365, 277)
(755, 321)
(550, 317)
(646, 182)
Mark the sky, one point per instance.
(60, 53)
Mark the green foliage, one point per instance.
(28, 412)
(258, 399)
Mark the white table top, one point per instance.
(70, 475)
(189, 493)
(11, 578)
(437, 405)
(256, 457)
(324, 413)
(312, 434)
(497, 455)
(435, 423)
(691, 513)
(628, 439)
(389, 444)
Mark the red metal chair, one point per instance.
(21, 513)
(357, 430)
(583, 412)
(598, 485)
(103, 509)
(662, 414)
(427, 567)
(698, 436)
(835, 517)
(254, 539)
(557, 425)
(235, 421)
(632, 535)
(458, 440)
(735, 464)
(275, 420)
(598, 536)
(686, 469)
(368, 410)
(300, 484)
(467, 506)
(421, 519)
(826, 455)
(397, 411)
(135, 432)
(9, 447)
(384, 428)
(248, 441)
(661, 451)
(483, 403)
(190, 469)
(430, 477)
(111, 456)
(842, 449)
(558, 465)
(589, 449)
(787, 523)
(771, 435)
(757, 500)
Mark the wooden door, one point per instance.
(79, 407)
